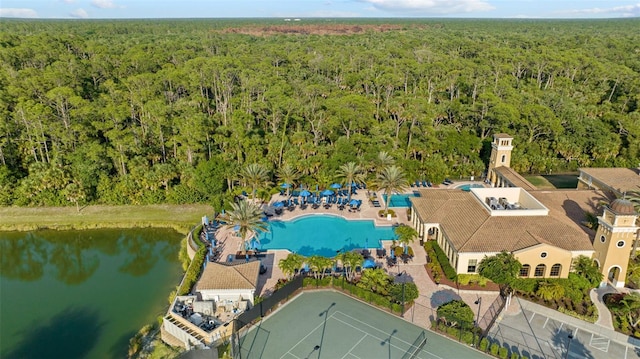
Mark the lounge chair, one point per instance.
(429, 184)
(424, 184)
(295, 201)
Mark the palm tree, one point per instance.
(391, 179)
(247, 216)
(406, 235)
(375, 279)
(254, 175)
(631, 308)
(633, 272)
(550, 291)
(587, 268)
(319, 265)
(383, 160)
(351, 260)
(288, 175)
(352, 173)
(291, 264)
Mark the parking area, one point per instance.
(549, 336)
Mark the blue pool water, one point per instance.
(323, 235)
(400, 200)
(467, 187)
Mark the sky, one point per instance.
(121, 9)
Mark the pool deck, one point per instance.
(422, 311)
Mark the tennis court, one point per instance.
(327, 324)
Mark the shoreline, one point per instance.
(178, 217)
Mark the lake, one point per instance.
(83, 294)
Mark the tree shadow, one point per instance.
(576, 348)
(71, 333)
(443, 296)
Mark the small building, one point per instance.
(203, 319)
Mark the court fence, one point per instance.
(261, 309)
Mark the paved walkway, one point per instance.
(604, 315)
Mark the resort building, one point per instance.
(544, 229)
(203, 318)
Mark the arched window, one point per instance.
(540, 269)
(524, 271)
(555, 270)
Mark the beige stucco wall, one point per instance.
(554, 255)
(220, 295)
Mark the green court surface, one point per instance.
(328, 324)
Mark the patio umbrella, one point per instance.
(336, 185)
(278, 204)
(305, 193)
(236, 227)
(354, 202)
(353, 184)
(327, 192)
(285, 185)
(369, 263)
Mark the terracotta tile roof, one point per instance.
(470, 227)
(220, 276)
(515, 178)
(620, 179)
(571, 205)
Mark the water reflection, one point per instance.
(71, 333)
(73, 255)
(23, 258)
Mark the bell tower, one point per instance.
(614, 241)
(501, 148)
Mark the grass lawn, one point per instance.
(179, 217)
(553, 181)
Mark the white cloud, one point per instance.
(103, 4)
(625, 11)
(68, 1)
(79, 13)
(434, 7)
(14, 12)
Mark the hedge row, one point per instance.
(366, 295)
(193, 272)
(436, 254)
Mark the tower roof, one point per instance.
(502, 135)
(622, 206)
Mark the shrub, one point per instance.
(442, 259)
(193, 272)
(484, 344)
(515, 356)
(525, 285)
(494, 349)
(503, 352)
(466, 279)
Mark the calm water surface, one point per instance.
(82, 294)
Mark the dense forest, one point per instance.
(133, 112)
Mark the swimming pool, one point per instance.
(401, 200)
(323, 235)
(467, 187)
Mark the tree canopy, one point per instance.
(138, 112)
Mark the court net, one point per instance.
(416, 347)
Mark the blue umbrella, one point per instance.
(336, 186)
(353, 184)
(354, 202)
(278, 204)
(236, 227)
(285, 185)
(327, 192)
(305, 193)
(254, 244)
(369, 263)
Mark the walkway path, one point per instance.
(604, 315)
